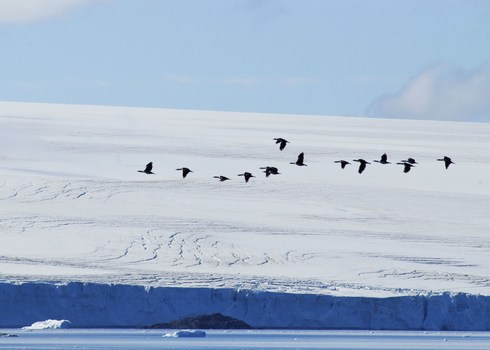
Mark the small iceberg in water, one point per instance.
(185, 334)
(8, 335)
(48, 324)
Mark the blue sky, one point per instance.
(427, 59)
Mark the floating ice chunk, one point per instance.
(185, 334)
(8, 335)
(48, 324)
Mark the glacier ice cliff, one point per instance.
(111, 305)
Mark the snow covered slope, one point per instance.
(74, 208)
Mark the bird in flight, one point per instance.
(362, 164)
(343, 163)
(383, 160)
(270, 170)
(221, 178)
(410, 161)
(148, 168)
(407, 166)
(246, 175)
(185, 171)
(300, 161)
(282, 142)
(447, 161)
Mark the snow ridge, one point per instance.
(103, 305)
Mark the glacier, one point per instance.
(85, 237)
(89, 305)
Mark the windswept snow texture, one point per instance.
(74, 208)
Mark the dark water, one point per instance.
(153, 339)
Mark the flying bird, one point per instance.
(343, 163)
(383, 160)
(282, 142)
(410, 161)
(270, 170)
(246, 175)
(447, 161)
(300, 161)
(148, 168)
(407, 166)
(221, 178)
(185, 171)
(362, 164)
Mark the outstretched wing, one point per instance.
(362, 166)
(301, 158)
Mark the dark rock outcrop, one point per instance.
(213, 321)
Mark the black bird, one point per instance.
(383, 160)
(410, 161)
(362, 164)
(447, 161)
(221, 178)
(282, 142)
(148, 168)
(343, 163)
(407, 166)
(270, 170)
(185, 171)
(246, 175)
(300, 161)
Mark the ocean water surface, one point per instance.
(255, 339)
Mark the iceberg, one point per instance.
(185, 334)
(8, 335)
(48, 324)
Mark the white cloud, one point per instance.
(440, 92)
(21, 11)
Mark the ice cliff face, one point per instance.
(102, 305)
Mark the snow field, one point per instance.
(74, 207)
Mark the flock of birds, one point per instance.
(408, 164)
